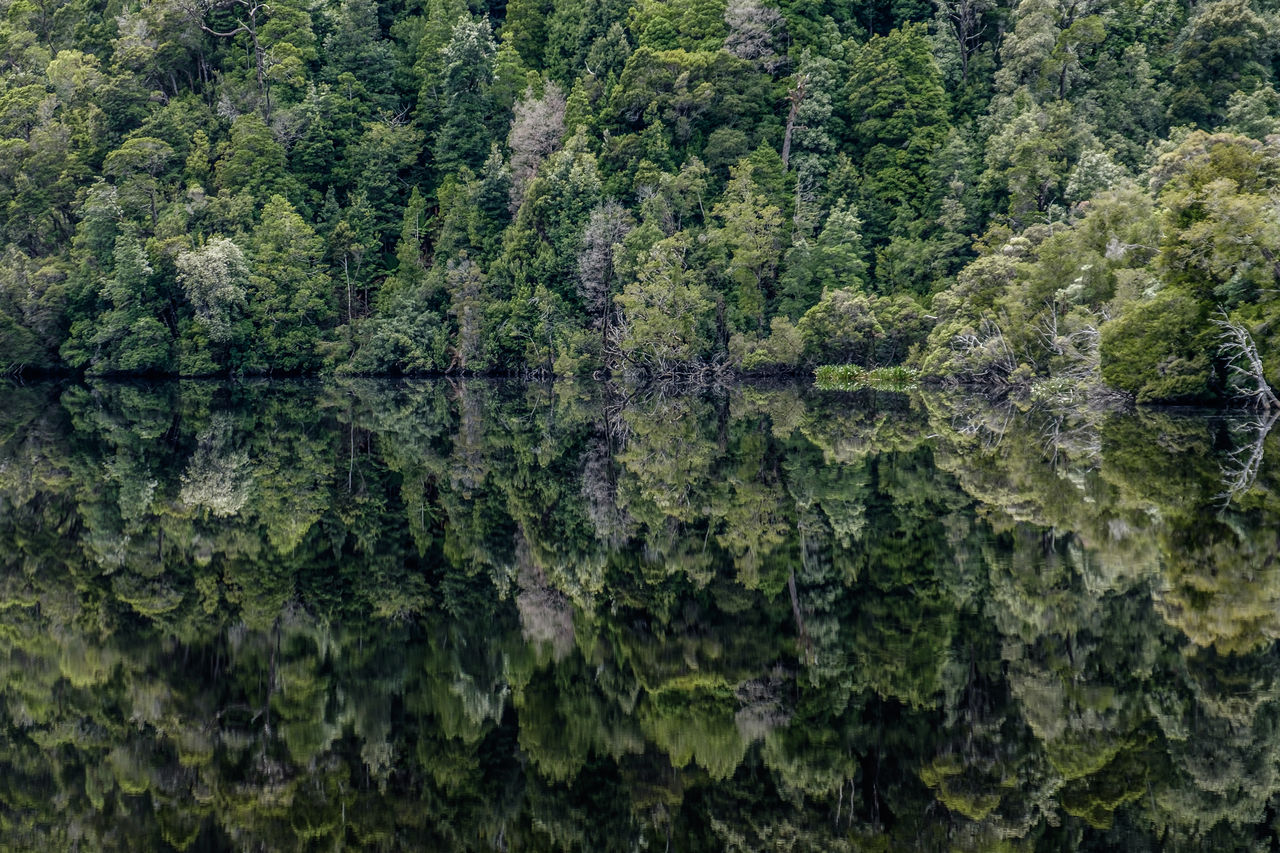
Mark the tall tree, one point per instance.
(463, 137)
(289, 295)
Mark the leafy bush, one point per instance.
(1158, 350)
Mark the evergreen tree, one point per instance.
(463, 136)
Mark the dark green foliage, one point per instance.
(464, 133)
(762, 154)
(351, 612)
(898, 109)
(1159, 350)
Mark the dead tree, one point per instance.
(964, 21)
(1241, 353)
(249, 16)
(796, 97)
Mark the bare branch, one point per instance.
(1241, 353)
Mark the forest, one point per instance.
(476, 615)
(1069, 197)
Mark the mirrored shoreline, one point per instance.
(499, 616)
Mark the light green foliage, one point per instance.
(698, 25)
(32, 299)
(841, 328)
(1256, 113)
(214, 278)
(750, 235)
(135, 166)
(1215, 189)
(1027, 157)
(251, 161)
(1050, 43)
(465, 285)
(782, 349)
(665, 313)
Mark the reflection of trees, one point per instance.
(1241, 468)
(1136, 535)
(389, 615)
(1222, 580)
(218, 477)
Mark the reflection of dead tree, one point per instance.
(1247, 374)
(1074, 438)
(1242, 465)
(978, 416)
(762, 703)
(611, 521)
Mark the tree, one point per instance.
(463, 136)
(751, 236)
(252, 161)
(247, 18)
(130, 335)
(1045, 51)
(756, 33)
(545, 237)
(597, 270)
(1223, 48)
(214, 278)
(537, 124)
(834, 260)
(1215, 189)
(966, 27)
(1158, 350)
(136, 164)
(1027, 157)
(665, 25)
(375, 165)
(899, 111)
(1241, 353)
(355, 46)
(465, 282)
(289, 294)
(841, 329)
(665, 317)
(351, 243)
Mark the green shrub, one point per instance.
(1159, 349)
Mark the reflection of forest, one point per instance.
(389, 616)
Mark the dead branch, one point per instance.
(1244, 363)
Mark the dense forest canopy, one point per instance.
(484, 616)
(1051, 192)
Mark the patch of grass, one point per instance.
(851, 377)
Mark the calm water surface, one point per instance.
(473, 616)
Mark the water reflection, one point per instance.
(482, 616)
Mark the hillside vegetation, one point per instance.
(1061, 193)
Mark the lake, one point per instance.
(485, 616)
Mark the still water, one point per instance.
(476, 616)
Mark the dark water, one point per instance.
(483, 617)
